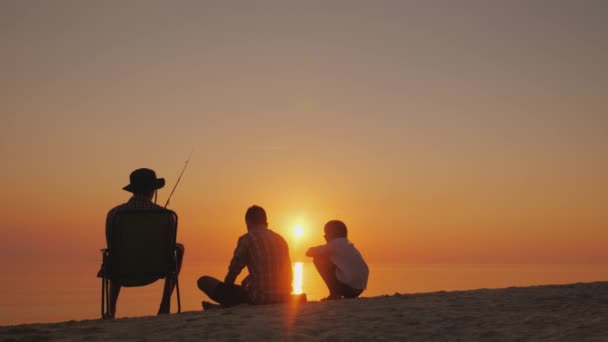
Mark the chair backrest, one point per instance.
(142, 245)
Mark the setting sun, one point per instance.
(298, 231)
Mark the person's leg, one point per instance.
(208, 285)
(165, 303)
(227, 295)
(327, 270)
(114, 291)
(350, 292)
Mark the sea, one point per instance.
(71, 291)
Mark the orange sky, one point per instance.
(470, 134)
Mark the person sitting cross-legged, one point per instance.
(266, 256)
(339, 263)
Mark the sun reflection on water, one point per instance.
(298, 270)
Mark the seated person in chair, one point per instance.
(266, 256)
(143, 185)
(339, 263)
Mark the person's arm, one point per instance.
(238, 262)
(317, 251)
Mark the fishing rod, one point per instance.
(179, 178)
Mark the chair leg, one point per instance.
(176, 279)
(108, 298)
(103, 299)
(179, 302)
(104, 285)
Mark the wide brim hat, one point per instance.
(144, 180)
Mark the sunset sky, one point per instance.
(439, 131)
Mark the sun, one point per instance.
(298, 231)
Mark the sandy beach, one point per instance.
(554, 312)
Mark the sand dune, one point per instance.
(559, 312)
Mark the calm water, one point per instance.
(71, 292)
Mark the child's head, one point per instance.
(335, 229)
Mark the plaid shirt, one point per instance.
(135, 202)
(266, 256)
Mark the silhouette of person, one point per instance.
(266, 256)
(339, 263)
(144, 185)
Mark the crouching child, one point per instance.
(339, 263)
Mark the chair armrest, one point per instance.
(104, 256)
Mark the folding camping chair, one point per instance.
(142, 250)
